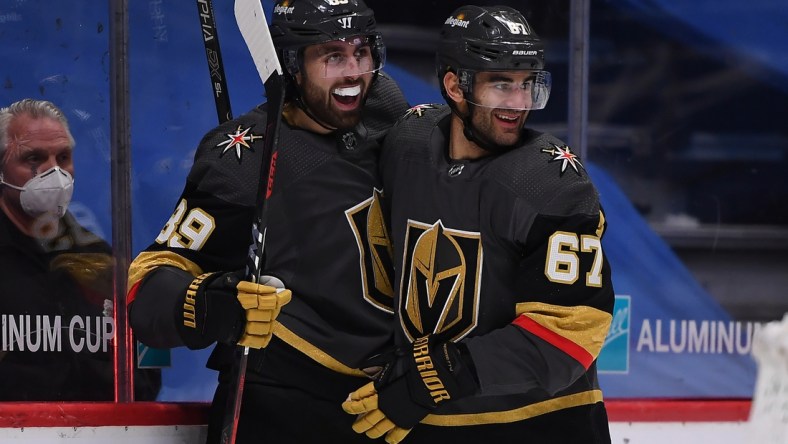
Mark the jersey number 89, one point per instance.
(189, 232)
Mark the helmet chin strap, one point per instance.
(300, 103)
(295, 89)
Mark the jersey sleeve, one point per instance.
(209, 231)
(566, 299)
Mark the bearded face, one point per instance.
(501, 102)
(335, 81)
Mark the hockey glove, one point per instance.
(262, 304)
(220, 307)
(409, 387)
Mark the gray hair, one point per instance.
(34, 108)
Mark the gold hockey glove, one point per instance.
(262, 304)
(411, 385)
(221, 307)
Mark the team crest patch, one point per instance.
(565, 156)
(374, 247)
(238, 141)
(418, 110)
(440, 284)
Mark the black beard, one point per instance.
(473, 134)
(321, 107)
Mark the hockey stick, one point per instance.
(210, 39)
(221, 98)
(254, 28)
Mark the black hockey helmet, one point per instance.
(296, 24)
(490, 38)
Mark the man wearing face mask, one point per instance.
(57, 276)
(37, 169)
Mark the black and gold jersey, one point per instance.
(324, 237)
(504, 254)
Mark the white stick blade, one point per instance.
(254, 28)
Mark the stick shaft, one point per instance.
(213, 54)
(254, 29)
(221, 98)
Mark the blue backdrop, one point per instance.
(670, 338)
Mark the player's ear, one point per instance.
(451, 83)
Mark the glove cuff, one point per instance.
(436, 372)
(210, 311)
(443, 370)
(192, 300)
(461, 368)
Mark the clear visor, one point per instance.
(350, 57)
(512, 92)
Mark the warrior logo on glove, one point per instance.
(221, 307)
(413, 382)
(423, 360)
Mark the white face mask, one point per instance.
(47, 193)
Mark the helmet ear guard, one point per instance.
(465, 78)
(290, 61)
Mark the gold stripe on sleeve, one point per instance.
(146, 261)
(585, 326)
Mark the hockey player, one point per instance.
(325, 240)
(503, 295)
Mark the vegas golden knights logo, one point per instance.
(375, 252)
(439, 292)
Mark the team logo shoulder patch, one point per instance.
(418, 110)
(564, 155)
(240, 140)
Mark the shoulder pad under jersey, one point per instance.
(411, 135)
(385, 104)
(542, 169)
(227, 163)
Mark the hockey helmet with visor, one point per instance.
(495, 39)
(345, 29)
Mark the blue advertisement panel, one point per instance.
(669, 337)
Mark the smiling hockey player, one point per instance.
(503, 294)
(325, 240)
